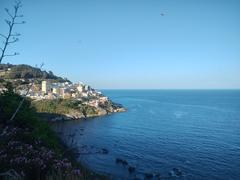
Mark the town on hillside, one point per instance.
(38, 85)
(65, 90)
(61, 90)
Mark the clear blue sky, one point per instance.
(128, 44)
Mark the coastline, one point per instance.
(72, 155)
(32, 133)
(46, 101)
(71, 152)
(51, 117)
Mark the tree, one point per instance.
(11, 22)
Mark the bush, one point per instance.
(28, 146)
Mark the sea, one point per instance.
(164, 134)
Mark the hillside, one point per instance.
(67, 109)
(61, 99)
(23, 71)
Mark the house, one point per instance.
(56, 90)
(93, 103)
(103, 99)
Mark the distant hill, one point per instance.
(23, 71)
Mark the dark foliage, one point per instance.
(29, 149)
(27, 72)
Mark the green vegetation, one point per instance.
(29, 149)
(64, 106)
(9, 71)
(57, 106)
(25, 118)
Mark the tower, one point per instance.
(45, 86)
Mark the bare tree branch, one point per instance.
(8, 13)
(23, 99)
(14, 54)
(3, 36)
(18, 4)
(8, 22)
(16, 34)
(23, 22)
(13, 41)
(11, 23)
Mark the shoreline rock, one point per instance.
(121, 161)
(51, 117)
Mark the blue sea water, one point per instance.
(196, 131)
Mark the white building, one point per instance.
(86, 88)
(103, 99)
(84, 94)
(45, 86)
(56, 90)
(80, 88)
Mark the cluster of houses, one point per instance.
(65, 90)
(47, 89)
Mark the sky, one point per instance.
(132, 44)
